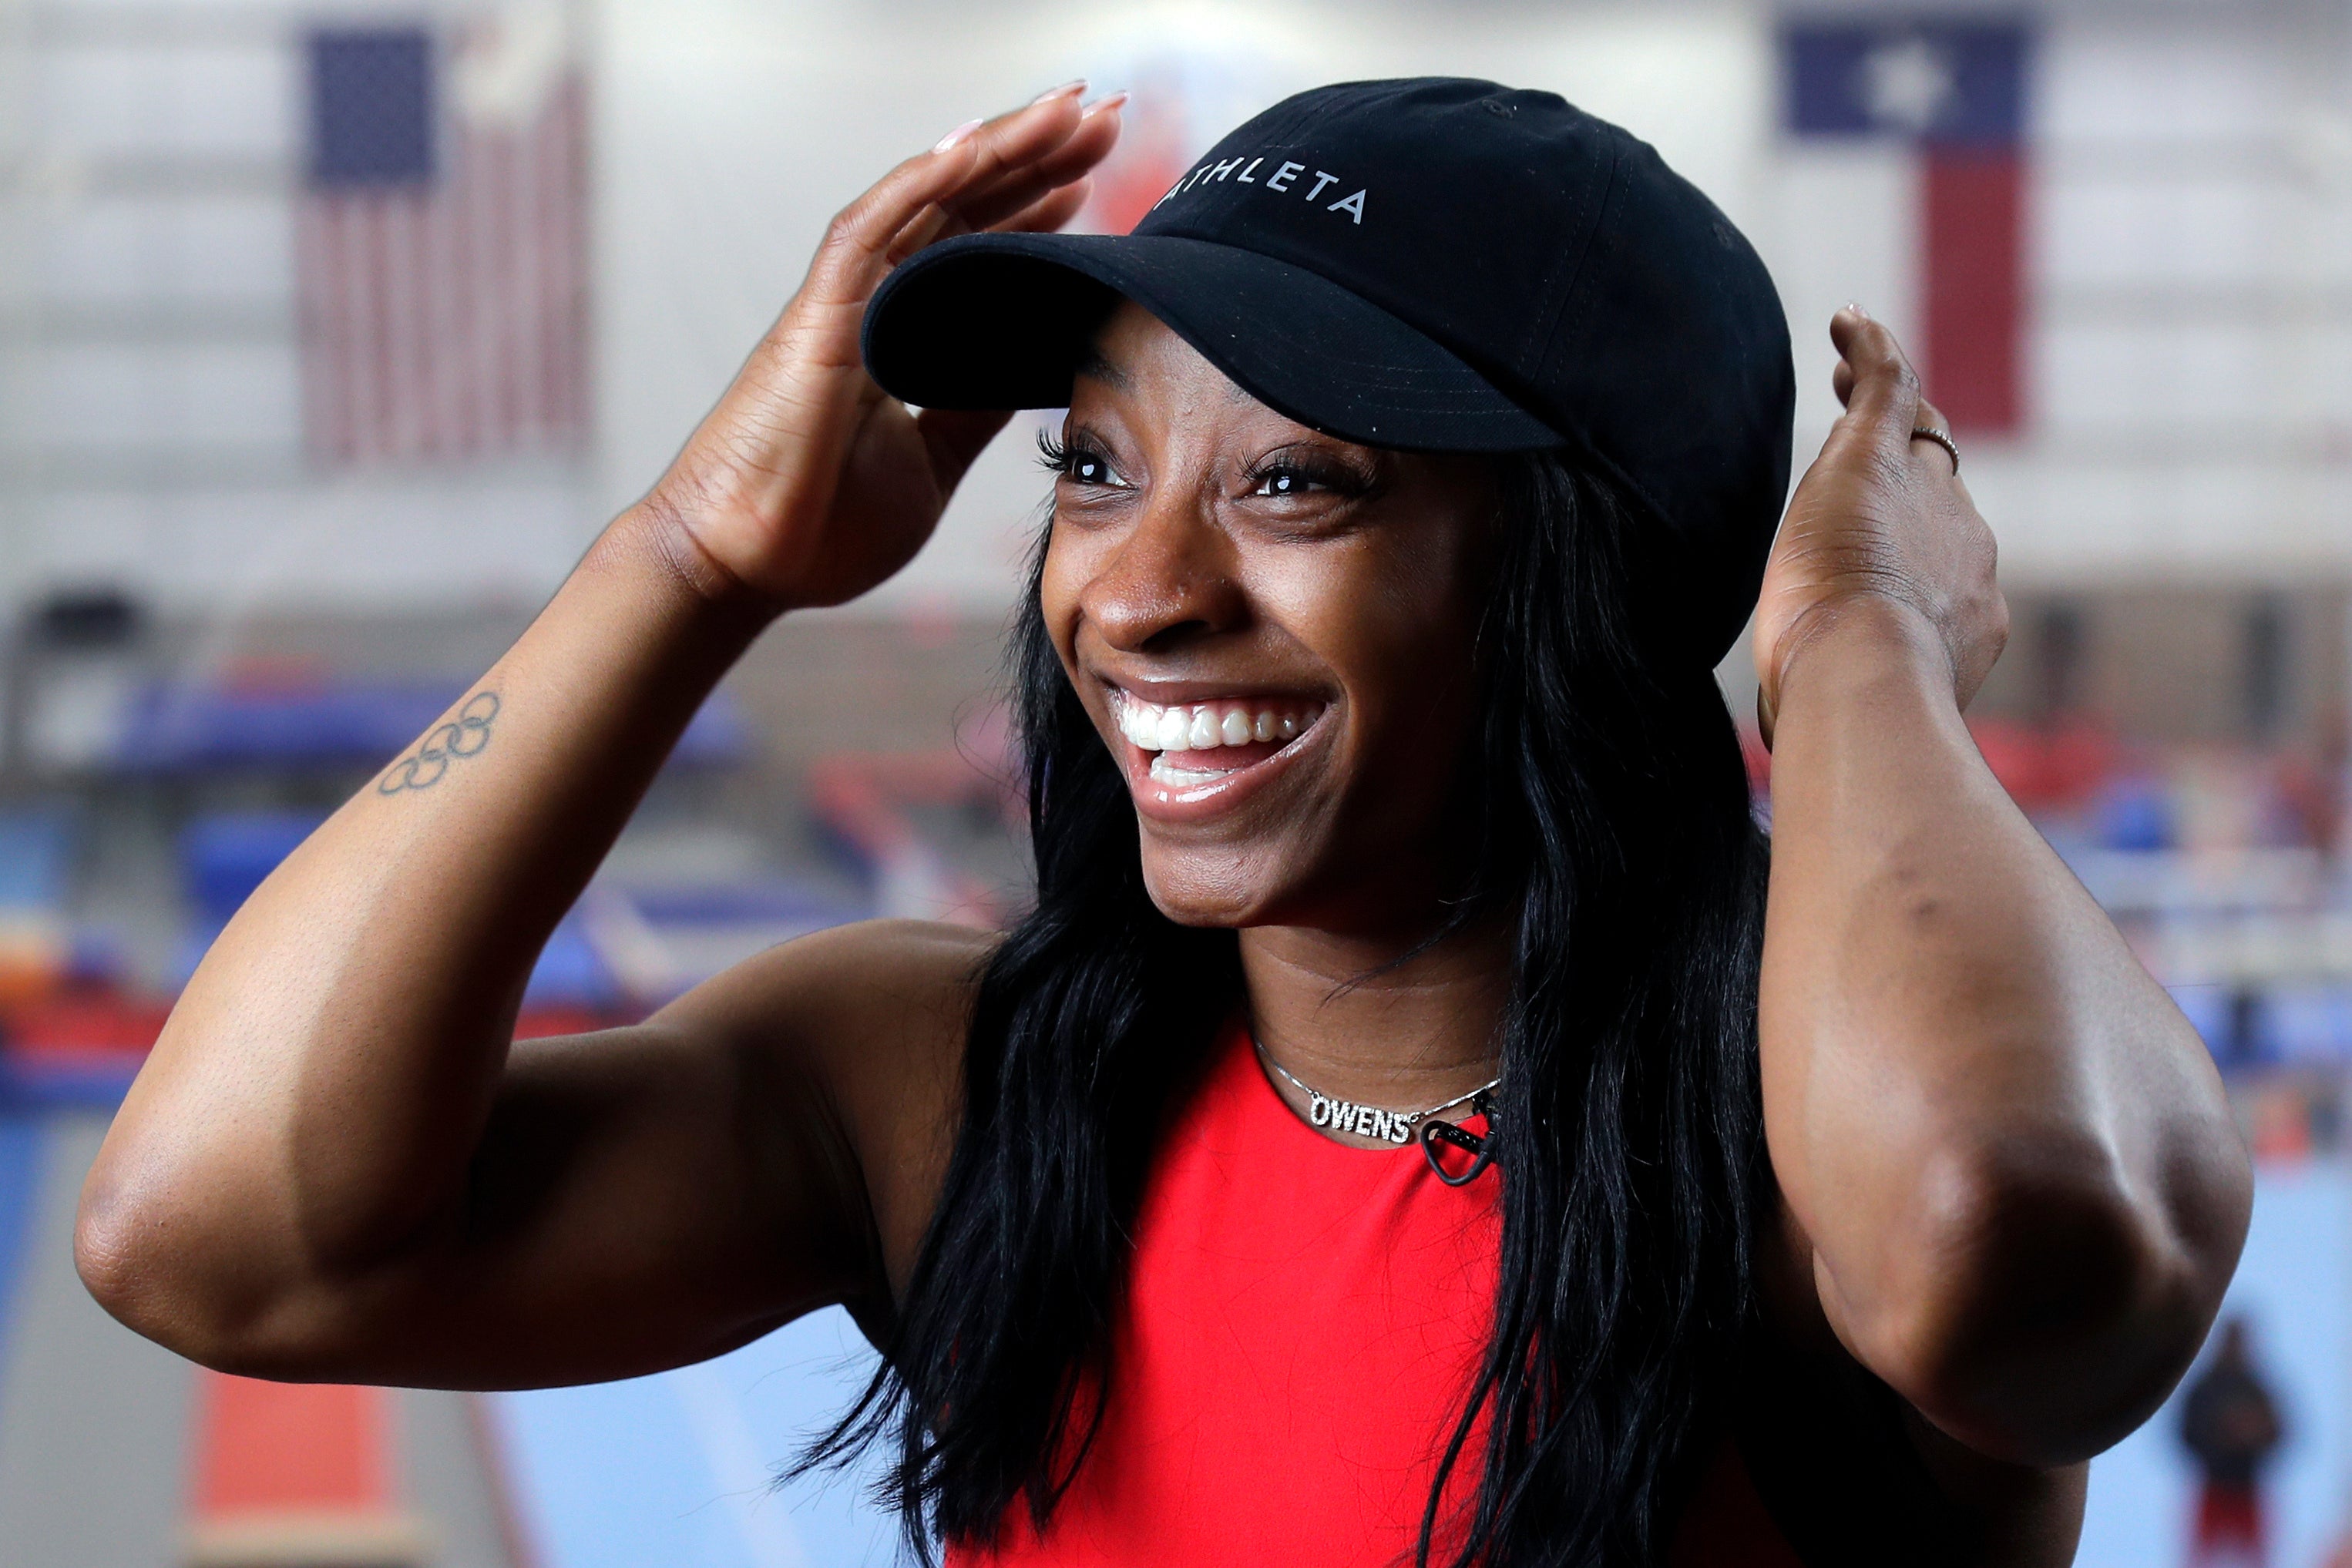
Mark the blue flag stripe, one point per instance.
(1946, 84)
(371, 107)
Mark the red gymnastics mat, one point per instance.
(296, 1473)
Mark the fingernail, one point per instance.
(1109, 101)
(1064, 91)
(961, 133)
(1857, 309)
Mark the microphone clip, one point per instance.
(1480, 1149)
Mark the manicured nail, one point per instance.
(1107, 102)
(1064, 91)
(961, 133)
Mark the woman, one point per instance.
(1381, 796)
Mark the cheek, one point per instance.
(1060, 588)
(1430, 613)
(1403, 640)
(1397, 629)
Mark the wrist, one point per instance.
(655, 535)
(1861, 641)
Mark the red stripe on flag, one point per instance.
(547, 312)
(572, 324)
(491, 173)
(521, 229)
(403, 365)
(1973, 246)
(441, 426)
(373, 290)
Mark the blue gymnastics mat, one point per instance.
(2294, 1288)
(678, 1468)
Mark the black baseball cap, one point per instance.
(1433, 264)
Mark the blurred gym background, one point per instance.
(330, 332)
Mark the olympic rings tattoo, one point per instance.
(464, 736)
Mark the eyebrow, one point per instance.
(1093, 367)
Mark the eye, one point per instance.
(1295, 475)
(1285, 481)
(1086, 467)
(1303, 469)
(1080, 461)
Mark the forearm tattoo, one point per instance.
(465, 736)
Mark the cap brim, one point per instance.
(1001, 320)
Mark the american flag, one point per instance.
(442, 246)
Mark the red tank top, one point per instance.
(1302, 1323)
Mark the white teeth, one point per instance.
(1164, 774)
(1202, 726)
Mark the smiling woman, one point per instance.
(1208, 571)
(1421, 1116)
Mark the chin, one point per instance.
(1214, 888)
(1239, 886)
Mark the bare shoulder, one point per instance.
(871, 1017)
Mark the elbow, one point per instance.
(123, 1265)
(143, 1264)
(2046, 1303)
(216, 1285)
(124, 1254)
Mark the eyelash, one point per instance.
(1055, 456)
(1063, 458)
(1329, 477)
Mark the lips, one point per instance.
(1192, 766)
(1195, 745)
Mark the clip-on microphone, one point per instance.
(1481, 1150)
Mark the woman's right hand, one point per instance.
(808, 484)
(336, 1165)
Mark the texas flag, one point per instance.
(1953, 93)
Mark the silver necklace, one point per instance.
(1364, 1121)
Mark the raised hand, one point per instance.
(809, 485)
(1881, 516)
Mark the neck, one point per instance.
(1353, 1017)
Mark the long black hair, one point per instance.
(1610, 819)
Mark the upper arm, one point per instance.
(873, 1017)
(649, 1195)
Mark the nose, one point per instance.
(1170, 579)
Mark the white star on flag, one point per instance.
(1905, 83)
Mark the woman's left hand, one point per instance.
(2010, 1171)
(1880, 517)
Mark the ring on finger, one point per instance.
(1942, 439)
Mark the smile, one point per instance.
(1192, 745)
